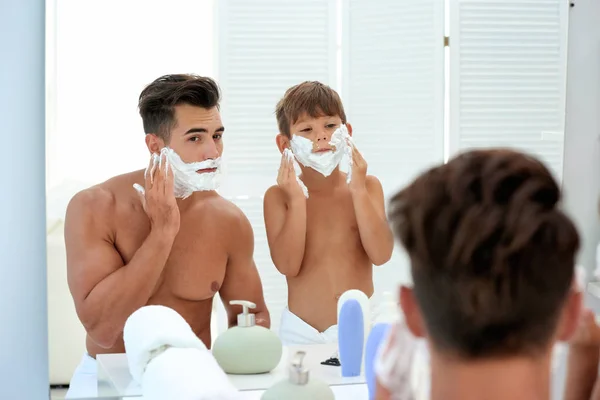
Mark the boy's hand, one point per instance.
(359, 171)
(287, 179)
(588, 331)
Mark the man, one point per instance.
(325, 229)
(582, 363)
(492, 259)
(172, 241)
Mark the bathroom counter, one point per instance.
(114, 378)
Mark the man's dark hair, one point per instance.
(158, 100)
(492, 256)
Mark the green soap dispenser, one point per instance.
(247, 348)
(298, 386)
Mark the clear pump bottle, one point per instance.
(299, 385)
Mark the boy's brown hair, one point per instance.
(311, 97)
(492, 255)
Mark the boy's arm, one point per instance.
(285, 219)
(285, 223)
(369, 207)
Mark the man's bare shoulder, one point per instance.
(229, 211)
(101, 199)
(96, 200)
(227, 217)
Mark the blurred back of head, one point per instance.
(492, 255)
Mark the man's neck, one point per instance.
(515, 379)
(316, 182)
(194, 198)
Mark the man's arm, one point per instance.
(381, 393)
(242, 281)
(105, 291)
(285, 222)
(375, 233)
(582, 373)
(583, 359)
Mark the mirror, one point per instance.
(410, 100)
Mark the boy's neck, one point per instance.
(511, 378)
(317, 182)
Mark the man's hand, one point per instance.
(588, 331)
(158, 198)
(287, 179)
(582, 362)
(359, 171)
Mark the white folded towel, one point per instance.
(186, 374)
(169, 361)
(152, 329)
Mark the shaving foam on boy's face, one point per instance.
(307, 154)
(190, 177)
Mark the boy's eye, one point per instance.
(217, 136)
(305, 130)
(194, 139)
(331, 125)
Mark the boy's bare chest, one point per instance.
(331, 223)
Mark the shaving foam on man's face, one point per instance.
(323, 162)
(191, 177)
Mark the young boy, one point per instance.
(325, 241)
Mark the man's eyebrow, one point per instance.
(203, 130)
(196, 130)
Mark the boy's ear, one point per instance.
(283, 142)
(349, 127)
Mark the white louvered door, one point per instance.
(508, 76)
(265, 47)
(393, 90)
(393, 84)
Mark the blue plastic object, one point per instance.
(351, 338)
(378, 334)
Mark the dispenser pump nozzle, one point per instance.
(245, 319)
(298, 373)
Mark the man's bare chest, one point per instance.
(197, 262)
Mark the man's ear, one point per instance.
(283, 142)
(570, 315)
(349, 127)
(154, 143)
(412, 313)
